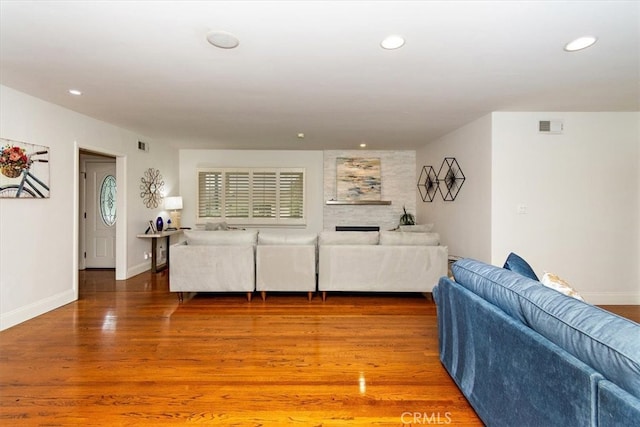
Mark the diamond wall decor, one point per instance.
(428, 183)
(448, 181)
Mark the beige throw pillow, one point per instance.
(552, 281)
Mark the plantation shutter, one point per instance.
(236, 195)
(210, 194)
(291, 198)
(264, 194)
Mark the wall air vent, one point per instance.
(550, 126)
(143, 146)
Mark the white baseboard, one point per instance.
(138, 269)
(36, 308)
(611, 298)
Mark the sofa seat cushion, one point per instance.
(608, 343)
(220, 238)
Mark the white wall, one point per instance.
(465, 223)
(397, 172)
(581, 191)
(190, 160)
(38, 238)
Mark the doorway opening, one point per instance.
(101, 211)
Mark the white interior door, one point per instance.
(101, 215)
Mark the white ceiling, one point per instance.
(317, 67)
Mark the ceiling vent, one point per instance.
(143, 146)
(550, 126)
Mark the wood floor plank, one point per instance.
(128, 353)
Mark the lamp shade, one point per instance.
(173, 203)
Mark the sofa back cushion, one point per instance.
(348, 238)
(273, 238)
(603, 340)
(500, 287)
(220, 238)
(409, 239)
(418, 228)
(608, 343)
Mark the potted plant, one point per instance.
(407, 218)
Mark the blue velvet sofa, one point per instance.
(527, 355)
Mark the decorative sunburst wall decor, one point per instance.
(151, 187)
(448, 181)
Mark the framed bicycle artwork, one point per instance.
(24, 170)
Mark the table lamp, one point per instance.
(173, 204)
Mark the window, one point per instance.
(108, 200)
(252, 196)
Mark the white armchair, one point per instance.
(286, 263)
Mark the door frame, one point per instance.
(121, 206)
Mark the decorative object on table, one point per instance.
(448, 181)
(159, 224)
(358, 178)
(151, 188)
(407, 218)
(173, 204)
(151, 228)
(24, 170)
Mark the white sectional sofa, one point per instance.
(386, 261)
(248, 261)
(214, 261)
(286, 263)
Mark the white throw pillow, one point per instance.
(348, 238)
(213, 226)
(552, 281)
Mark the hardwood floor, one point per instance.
(127, 353)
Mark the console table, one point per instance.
(154, 247)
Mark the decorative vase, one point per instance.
(159, 224)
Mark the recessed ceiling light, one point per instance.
(75, 92)
(301, 135)
(222, 39)
(580, 43)
(392, 42)
(363, 145)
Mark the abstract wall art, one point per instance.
(358, 178)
